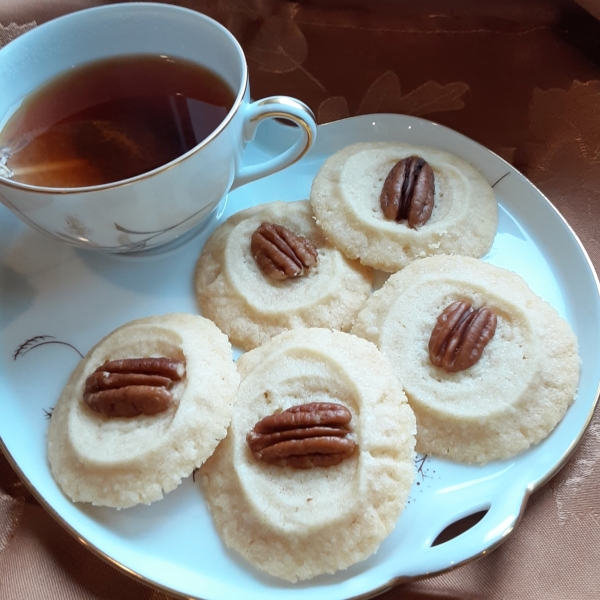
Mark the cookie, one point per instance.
(250, 306)
(513, 395)
(123, 461)
(296, 523)
(345, 197)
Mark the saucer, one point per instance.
(58, 301)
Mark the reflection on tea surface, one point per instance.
(111, 120)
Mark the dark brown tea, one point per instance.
(112, 119)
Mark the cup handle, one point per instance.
(277, 107)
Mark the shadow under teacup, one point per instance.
(156, 206)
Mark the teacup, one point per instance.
(156, 207)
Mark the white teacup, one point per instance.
(156, 207)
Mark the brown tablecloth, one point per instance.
(522, 78)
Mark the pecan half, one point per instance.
(133, 386)
(280, 253)
(408, 192)
(460, 336)
(304, 436)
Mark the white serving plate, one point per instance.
(51, 289)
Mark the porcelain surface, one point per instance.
(57, 301)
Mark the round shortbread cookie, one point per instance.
(299, 523)
(515, 394)
(345, 199)
(121, 462)
(249, 306)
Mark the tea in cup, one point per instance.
(124, 126)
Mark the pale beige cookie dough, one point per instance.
(345, 199)
(516, 393)
(299, 523)
(249, 306)
(121, 462)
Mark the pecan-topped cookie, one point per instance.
(269, 269)
(387, 204)
(146, 406)
(488, 367)
(318, 460)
